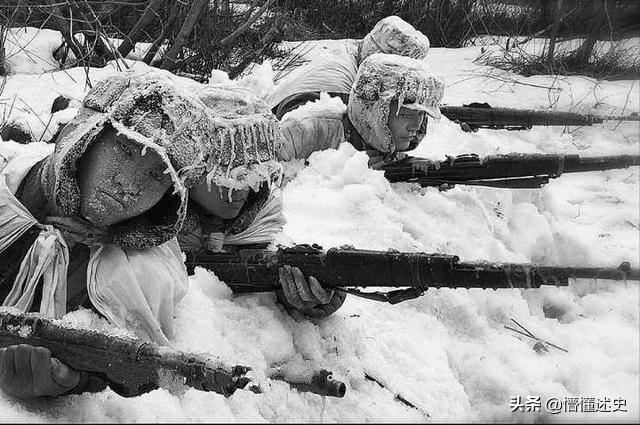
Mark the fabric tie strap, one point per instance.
(48, 257)
(135, 289)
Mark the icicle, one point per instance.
(269, 132)
(265, 137)
(210, 176)
(167, 171)
(271, 180)
(272, 137)
(248, 140)
(232, 156)
(254, 137)
(232, 141)
(268, 138)
(245, 152)
(261, 134)
(144, 150)
(420, 96)
(222, 134)
(401, 96)
(220, 188)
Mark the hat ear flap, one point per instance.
(422, 132)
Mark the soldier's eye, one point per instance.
(125, 148)
(157, 175)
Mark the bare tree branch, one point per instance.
(65, 29)
(234, 35)
(274, 31)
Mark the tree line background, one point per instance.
(195, 36)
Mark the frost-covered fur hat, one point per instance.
(383, 78)
(161, 113)
(395, 36)
(242, 141)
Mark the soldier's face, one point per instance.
(117, 182)
(404, 125)
(220, 201)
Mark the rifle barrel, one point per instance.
(633, 117)
(577, 164)
(515, 118)
(534, 168)
(257, 270)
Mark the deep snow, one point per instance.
(446, 352)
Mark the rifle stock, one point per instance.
(257, 271)
(516, 170)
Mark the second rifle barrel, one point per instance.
(575, 163)
(515, 117)
(350, 267)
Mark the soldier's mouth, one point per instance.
(111, 200)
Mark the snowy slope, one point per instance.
(447, 352)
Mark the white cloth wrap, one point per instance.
(48, 257)
(138, 288)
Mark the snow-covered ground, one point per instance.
(447, 352)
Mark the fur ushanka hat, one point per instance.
(394, 35)
(382, 79)
(199, 131)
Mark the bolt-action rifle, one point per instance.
(344, 269)
(131, 366)
(513, 171)
(481, 115)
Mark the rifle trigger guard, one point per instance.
(391, 297)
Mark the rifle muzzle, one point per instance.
(321, 383)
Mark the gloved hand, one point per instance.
(28, 372)
(424, 165)
(307, 296)
(467, 128)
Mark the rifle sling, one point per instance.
(391, 297)
(533, 182)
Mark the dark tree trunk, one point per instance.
(150, 12)
(585, 50)
(557, 12)
(169, 61)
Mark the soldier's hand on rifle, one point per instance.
(28, 372)
(305, 295)
(446, 186)
(425, 165)
(467, 128)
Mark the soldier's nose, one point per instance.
(125, 184)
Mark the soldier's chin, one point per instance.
(403, 144)
(229, 210)
(99, 214)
